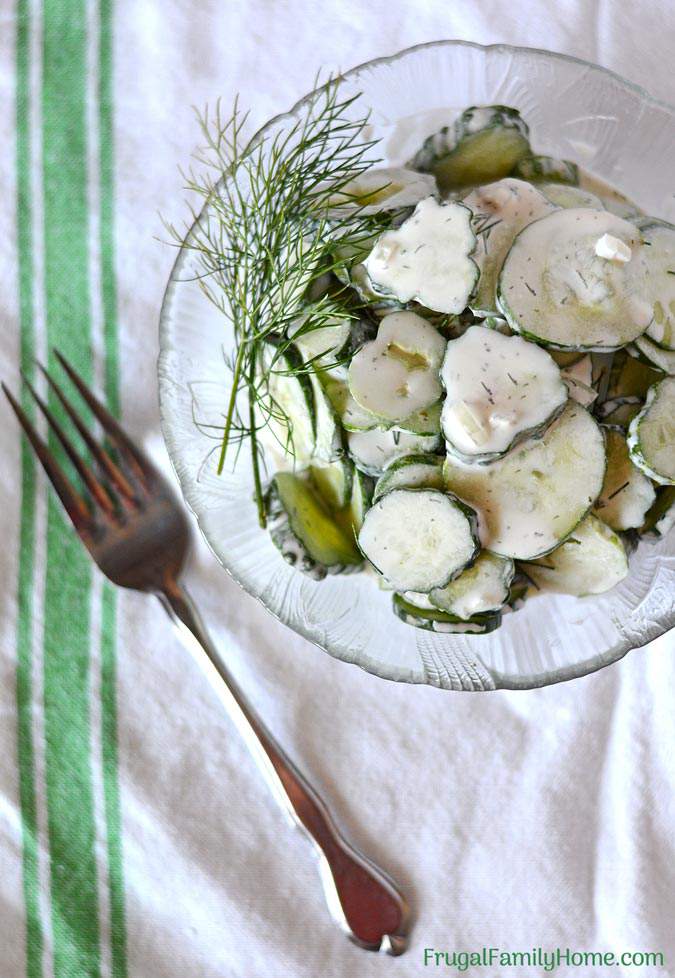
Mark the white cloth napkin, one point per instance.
(512, 820)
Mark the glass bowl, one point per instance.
(575, 110)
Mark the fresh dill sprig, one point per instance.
(268, 230)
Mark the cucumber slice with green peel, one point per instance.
(500, 211)
(428, 258)
(372, 451)
(483, 587)
(328, 444)
(433, 620)
(530, 500)
(333, 483)
(627, 494)
(305, 532)
(630, 377)
(567, 358)
(487, 143)
(661, 284)
(591, 561)
(324, 344)
(578, 378)
(496, 323)
(563, 195)
(383, 189)
(419, 539)
(293, 425)
(557, 288)
(411, 472)
(622, 407)
(656, 355)
(651, 435)
(500, 390)
(352, 416)
(378, 304)
(351, 519)
(519, 591)
(397, 373)
(426, 421)
(546, 169)
(661, 517)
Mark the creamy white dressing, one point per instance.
(497, 388)
(427, 258)
(612, 248)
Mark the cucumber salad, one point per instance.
(489, 411)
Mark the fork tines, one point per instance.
(110, 486)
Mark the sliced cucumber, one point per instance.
(333, 482)
(651, 436)
(397, 373)
(351, 519)
(661, 283)
(434, 620)
(563, 195)
(419, 539)
(663, 359)
(500, 211)
(426, 421)
(324, 344)
(352, 416)
(531, 500)
(566, 358)
(483, 587)
(546, 169)
(293, 425)
(661, 516)
(384, 189)
(496, 323)
(411, 472)
(578, 378)
(372, 451)
(619, 407)
(328, 445)
(500, 390)
(630, 377)
(427, 258)
(591, 561)
(627, 493)
(303, 530)
(555, 288)
(486, 143)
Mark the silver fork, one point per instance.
(131, 524)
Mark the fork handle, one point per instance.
(362, 898)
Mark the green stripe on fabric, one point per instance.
(70, 799)
(24, 685)
(108, 610)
